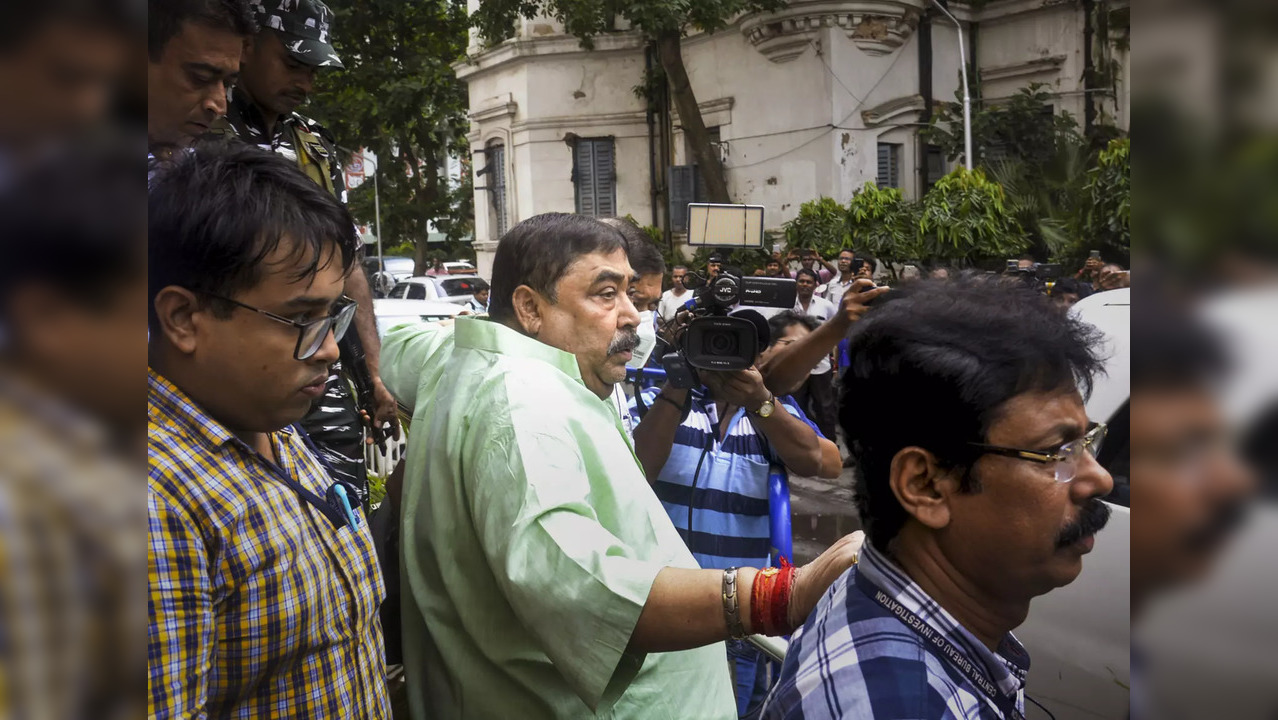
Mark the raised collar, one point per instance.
(481, 333)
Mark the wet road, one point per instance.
(821, 512)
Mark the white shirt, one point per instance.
(822, 310)
(835, 288)
(670, 303)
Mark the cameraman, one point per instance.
(710, 468)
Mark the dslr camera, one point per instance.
(715, 340)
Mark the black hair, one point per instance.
(218, 210)
(786, 319)
(76, 223)
(166, 18)
(538, 252)
(1173, 350)
(858, 263)
(805, 271)
(938, 360)
(479, 285)
(643, 254)
(772, 261)
(1066, 285)
(21, 20)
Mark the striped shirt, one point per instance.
(259, 607)
(856, 659)
(730, 497)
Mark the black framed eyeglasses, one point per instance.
(1067, 457)
(311, 334)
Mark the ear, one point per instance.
(923, 487)
(527, 304)
(177, 309)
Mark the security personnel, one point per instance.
(277, 76)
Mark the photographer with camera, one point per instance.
(708, 452)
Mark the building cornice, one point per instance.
(560, 122)
(998, 10)
(1030, 68)
(521, 49)
(877, 27)
(499, 106)
(881, 113)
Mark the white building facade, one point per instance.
(814, 100)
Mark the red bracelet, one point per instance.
(760, 597)
(780, 602)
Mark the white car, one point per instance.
(446, 288)
(1079, 636)
(392, 312)
(460, 267)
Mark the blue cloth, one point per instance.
(855, 659)
(730, 524)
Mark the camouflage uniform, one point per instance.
(334, 422)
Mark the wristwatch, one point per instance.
(765, 410)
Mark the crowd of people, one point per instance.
(564, 549)
(560, 546)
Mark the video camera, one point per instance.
(715, 340)
(1040, 275)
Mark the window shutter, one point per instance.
(605, 188)
(497, 160)
(593, 177)
(889, 170)
(681, 183)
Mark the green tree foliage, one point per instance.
(399, 97)
(1024, 128)
(1046, 168)
(821, 225)
(964, 221)
(884, 225)
(662, 24)
(1107, 221)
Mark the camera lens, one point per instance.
(722, 343)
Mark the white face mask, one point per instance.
(647, 341)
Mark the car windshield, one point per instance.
(453, 287)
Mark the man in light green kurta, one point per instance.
(529, 553)
(541, 576)
(531, 539)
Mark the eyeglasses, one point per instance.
(1067, 457)
(310, 335)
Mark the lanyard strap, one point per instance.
(328, 507)
(939, 645)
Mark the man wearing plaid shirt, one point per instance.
(979, 490)
(263, 581)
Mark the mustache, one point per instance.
(1091, 520)
(1226, 518)
(625, 341)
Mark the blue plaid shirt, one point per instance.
(855, 659)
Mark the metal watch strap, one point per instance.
(731, 606)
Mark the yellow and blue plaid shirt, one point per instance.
(259, 607)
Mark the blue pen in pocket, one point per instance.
(338, 491)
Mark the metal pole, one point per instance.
(967, 96)
(377, 220)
